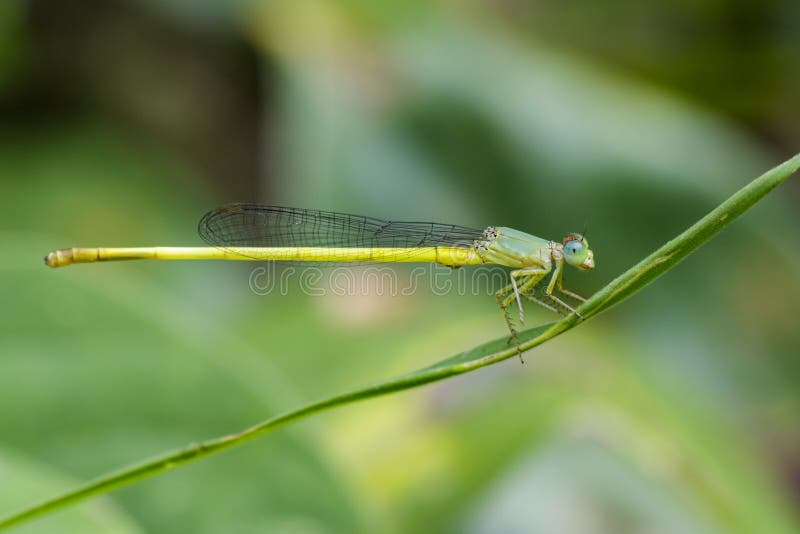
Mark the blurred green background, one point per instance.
(122, 122)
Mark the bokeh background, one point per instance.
(122, 122)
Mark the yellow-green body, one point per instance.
(531, 258)
(450, 256)
(516, 249)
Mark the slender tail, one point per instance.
(444, 255)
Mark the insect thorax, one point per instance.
(513, 248)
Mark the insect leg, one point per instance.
(503, 300)
(551, 285)
(542, 303)
(516, 295)
(561, 289)
(571, 294)
(530, 277)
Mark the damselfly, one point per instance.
(256, 232)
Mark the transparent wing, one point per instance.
(255, 225)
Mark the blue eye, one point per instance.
(573, 247)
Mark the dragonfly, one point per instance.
(307, 236)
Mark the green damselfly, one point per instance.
(258, 232)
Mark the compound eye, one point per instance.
(573, 247)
